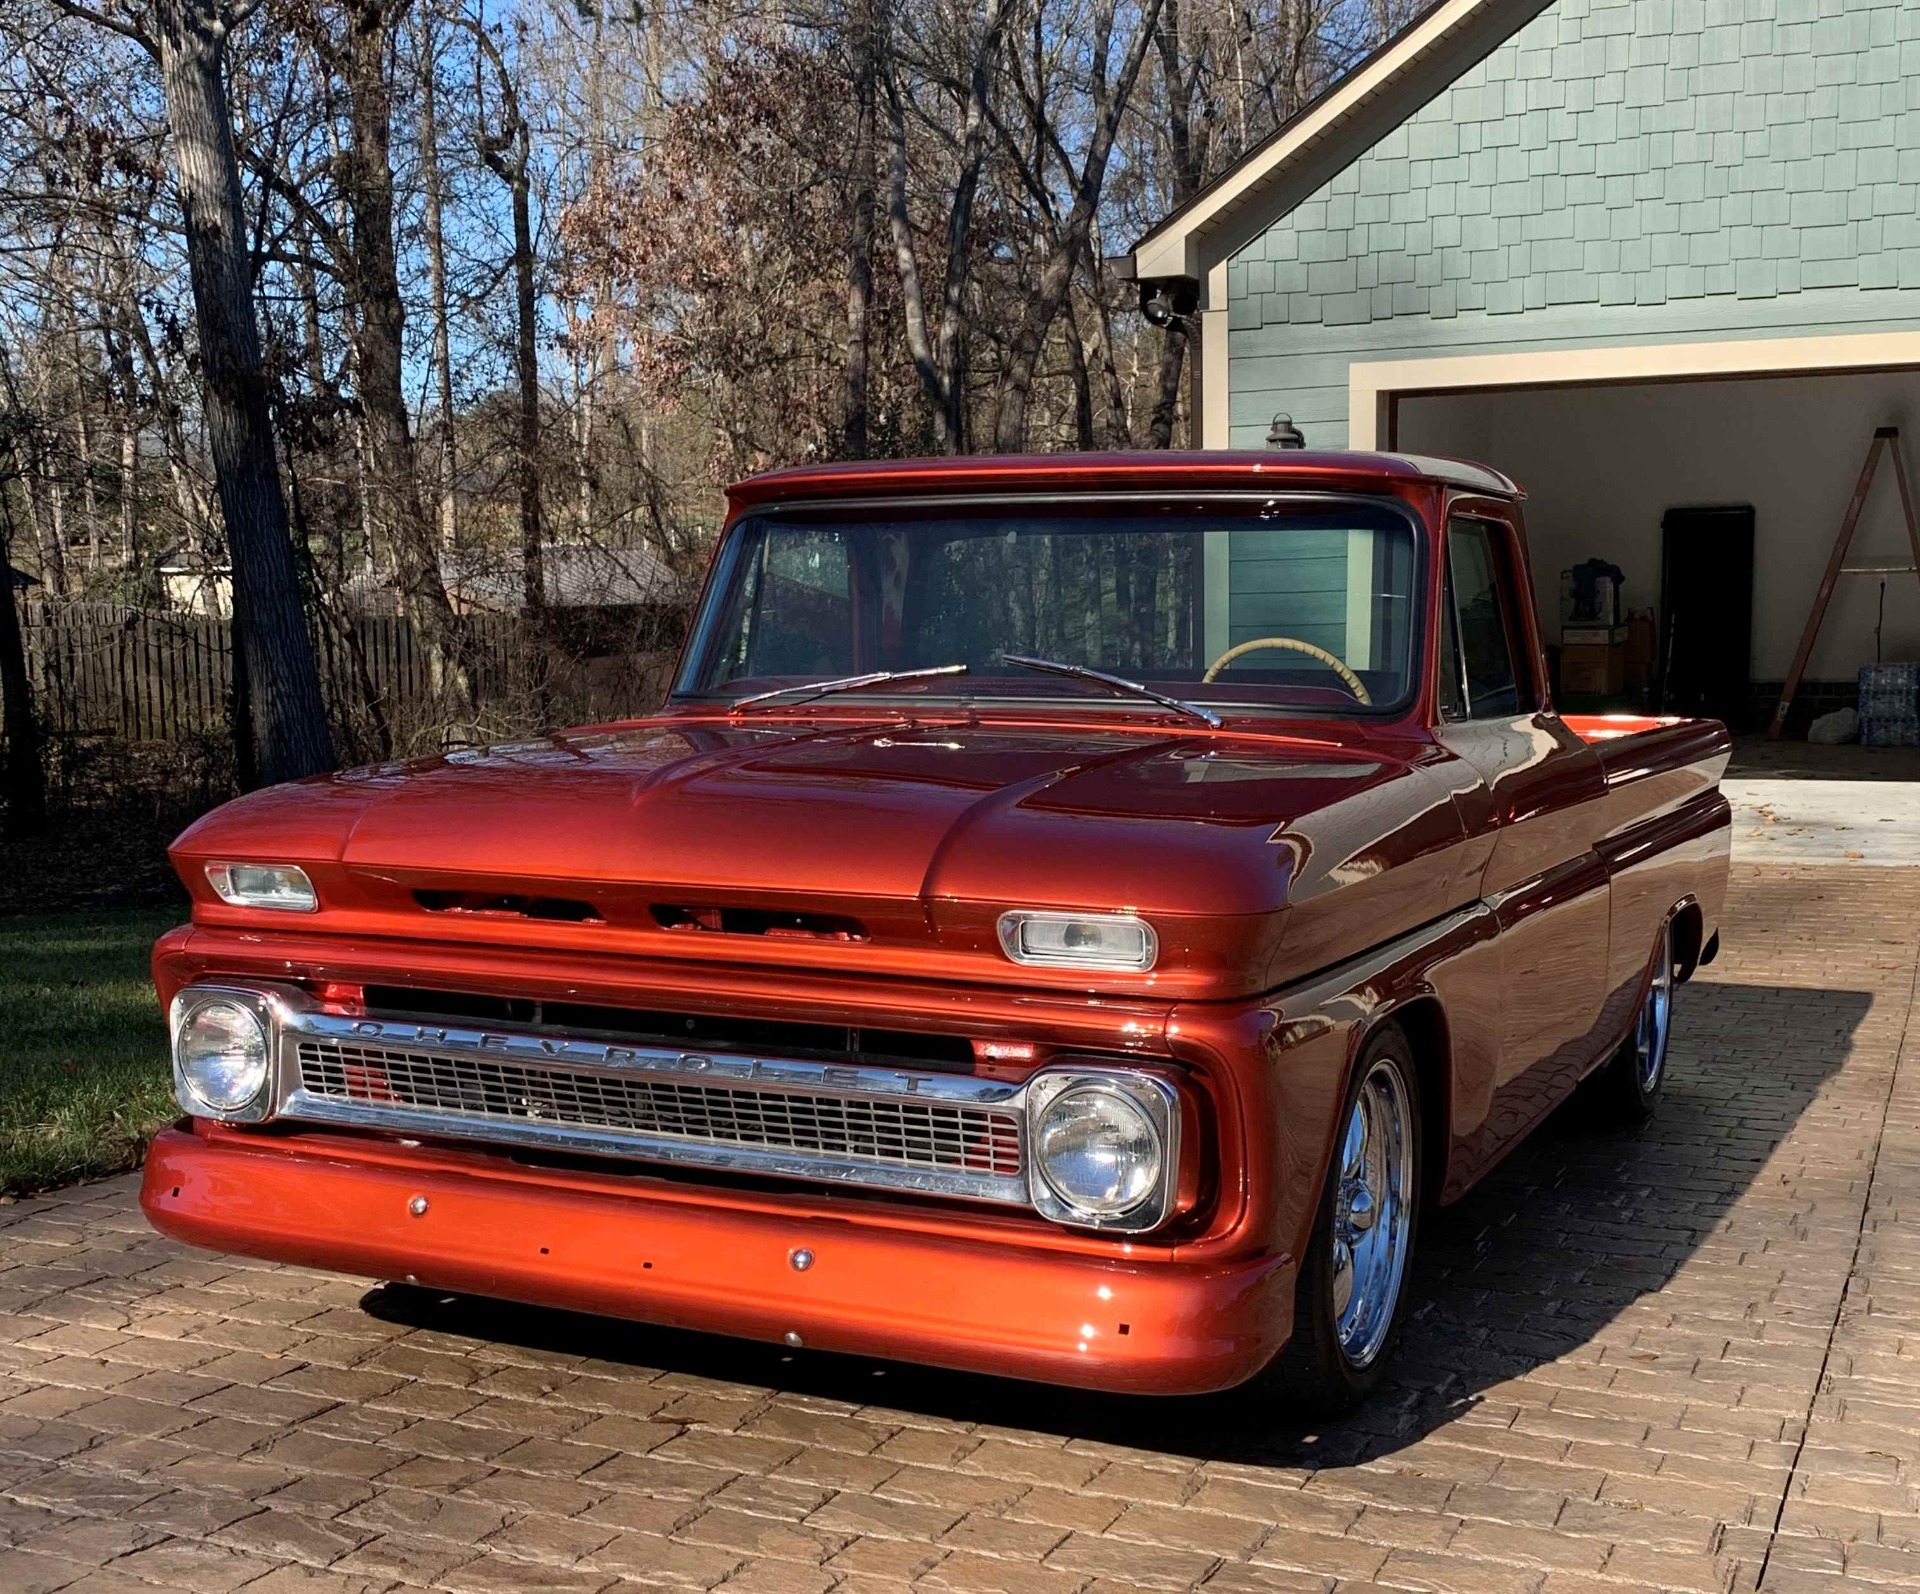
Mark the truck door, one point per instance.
(1539, 795)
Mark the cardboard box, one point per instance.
(1581, 636)
(1590, 671)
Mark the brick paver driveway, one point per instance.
(1682, 1360)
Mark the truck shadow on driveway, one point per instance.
(1537, 1266)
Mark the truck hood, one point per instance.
(892, 825)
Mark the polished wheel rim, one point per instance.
(1656, 1012)
(1372, 1213)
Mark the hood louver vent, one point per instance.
(501, 905)
(776, 924)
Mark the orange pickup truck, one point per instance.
(1069, 919)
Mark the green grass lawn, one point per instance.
(84, 1077)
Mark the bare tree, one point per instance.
(508, 153)
(939, 358)
(434, 234)
(1109, 96)
(188, 39)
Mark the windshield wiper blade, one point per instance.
(1085, 672)
(845, 683)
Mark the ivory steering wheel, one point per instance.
(1352, 682)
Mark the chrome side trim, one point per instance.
(1314, 993)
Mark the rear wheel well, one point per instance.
(1689, 926)
(1425, 1025)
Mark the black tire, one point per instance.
(1627, 1086)
(1316, 1372)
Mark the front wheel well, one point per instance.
(1424, 1023)
(1689, 929)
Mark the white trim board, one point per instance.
(1372, 385)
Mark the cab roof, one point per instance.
(1141, 470)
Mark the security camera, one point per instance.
(1163, 303)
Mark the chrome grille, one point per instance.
(894, 1132)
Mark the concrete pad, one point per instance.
(1861, 822)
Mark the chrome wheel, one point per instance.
(1372, 1213)
(1650, 1030)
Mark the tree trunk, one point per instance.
(1190, 150)
(1166, 403)
(527, 360)
(437, 273)
(53, 543)
(194, 511)
(23, 765)
(853, 420)
(1083, 438)
(288, 719)
(372, 277)
(1119, 427)
(52, 525)
(83, 432)
(126, 396)
(516, 172)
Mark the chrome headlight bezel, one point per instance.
(1155, 1098)
(185, 1007)
(228, 879)
(1014, 925)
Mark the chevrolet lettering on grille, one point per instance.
(611, 1054)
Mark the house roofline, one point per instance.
(1327, 134)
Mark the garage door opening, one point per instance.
(1604, 465)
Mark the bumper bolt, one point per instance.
(801, 1259)
(793, 1339)
(418, 1206)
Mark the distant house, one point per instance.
(573, 576)
(1641, 255)
(192, 583)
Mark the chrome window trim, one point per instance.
(293, 1018)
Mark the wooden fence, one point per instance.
(99, 669)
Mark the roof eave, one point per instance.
(1328, 134)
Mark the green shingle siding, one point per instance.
(1618, 171)
(1291, 583)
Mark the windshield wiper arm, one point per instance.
(1084, 672)
(845, 683)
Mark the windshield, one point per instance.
(1284, 607)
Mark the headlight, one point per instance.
(220, 1054)
(1079, 940)
(1102, 1147)
(263, 885)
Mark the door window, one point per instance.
(1479, 680)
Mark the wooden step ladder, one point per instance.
(1885, 439)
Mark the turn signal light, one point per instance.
(1117, 941)
(263, 885)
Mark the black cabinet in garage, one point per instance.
(1706, 612)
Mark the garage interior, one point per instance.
(1604, 465)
